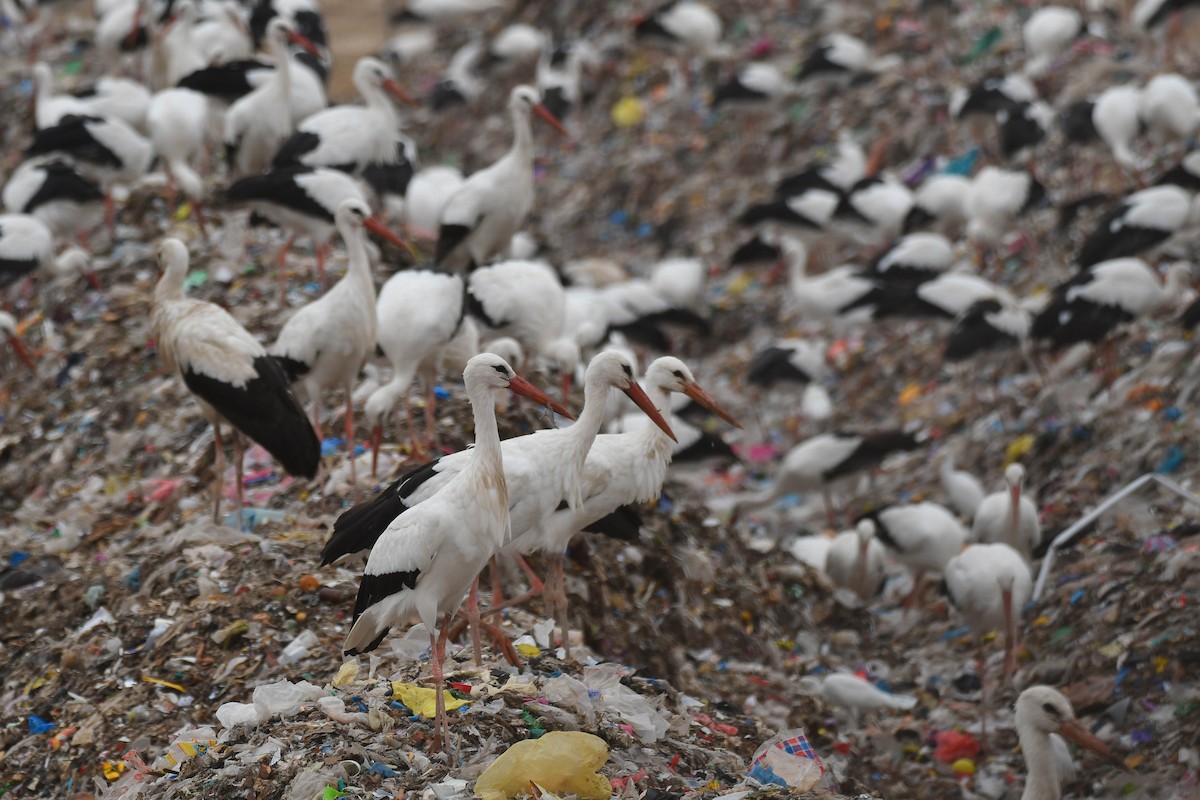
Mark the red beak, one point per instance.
(395, 91)
(642, 401)
(379, 229)
(519, 385)
(566, 386)
(14, 341)
(1074, 731)
(547, 117)
(137, 24)
(300, 40)
(376, 441)
(706, 400)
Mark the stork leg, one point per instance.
(110, 214)
(830, 507)
(219, 469)
(473, 621)
(281, 268)
(239, 457)
(437, 644)
(350, 439)
(431, 431)
(536, 588)
(560, 602)
(984, 698)
(322, 254)
(1010, 637)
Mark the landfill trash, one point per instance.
(423, 700)
(566, 762)
(787, 759)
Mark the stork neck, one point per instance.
(487, 433)
(170, 285)
(797, 264)
(522, 146)
(1041, 782)
(595, 406)
(283, 71)
(359, 268)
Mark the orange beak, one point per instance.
(300, 40)
(22, 352)
(706, 400)
(566, 386)
(379, 229)
(545, 115)
(376, 441)
(137, 23)
(1073, 730)
(642, 401)
(519, 385)
(393, 88)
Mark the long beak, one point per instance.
(1073, 730)
(395, 91)
(376, 441)
(379, 229)
(520, 386)
(137, 23)
(1015, 493)
(566, 386)
(547, 117)
(706, 400)
(642, 401)
(93, 280)
(22, 352)
(300, 40)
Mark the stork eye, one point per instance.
(627, 370)
(1051, 710)
(500, 368)
(678, 374)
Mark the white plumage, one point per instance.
(479, 220)
(1009, 517)
(996, 198)
(417, 313)
(962, 488)
(178, 121)
(425, 197)
(923, 253)
(882, 204)
(62, 198)
(854, 695)
(1170, 107)
(1042, 712)
(1049, 31)
(1117, 122)
(258, 123)
(855, 561)
(829, 295)
(178, 51)
(940, 202)
(690, 25)
(924, 536)
(989, 584)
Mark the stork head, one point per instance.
(507, 348)
(355, 215)
(371, 75)
(1042, 710)
(490, 371)
(613, 368)
(669, 374)
(75, 262)
(525, 99)
(280, 33)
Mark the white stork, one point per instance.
(1042, 712)
(360, 139)
(755, 83)
(791, 360)
(939, 204)
(428, 558)
(855, 561)
(916, 257)
(814, 463)
(9, 330)
(842, 54)
(110, 97)
(426, 194)
(620, 470)
(27, 245)
(259, 123)
(879, 204)
(1048, 33)
(325, 343)
(842, 294)
(178, 51)
(853, 694)
(302, 201)
(62, 198)
(479, 220)
(1089, 306)
(1170, 107)
(231, 81)
(178, 124)
(103, 148)
(221, 34)
(303, 15)
(1009, 517)
(690, 26)
(989, 584)
(418, 312)
(1142, 221)
(525, 300)
(923, 536)
(560, 76)
(231, 376)
(963, 489)
(997, 197)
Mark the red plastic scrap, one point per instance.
(953, 745)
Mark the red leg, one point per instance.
(239, 457)
(536, 588)
(442, 725)
(322, 253)
(219, 469)
(350, 439)
(560, 602)
(497, 589)
(281, 268)
(473, 621)
(110, 214)
(431, 417)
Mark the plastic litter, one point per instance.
(565, 762)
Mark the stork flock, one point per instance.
(915, 217)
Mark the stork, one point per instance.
(58, 195)
(9, 330)
(1009, 517)
(855, 561)
(479, 220)
(923, 536)
(963, 489)
(1040, 713)
(27, 245)
(989, 584)
(178, 121)
(428, 558)
(1142, 221)
(231, 376)
(325, 343)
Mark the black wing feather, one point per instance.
(360, 527)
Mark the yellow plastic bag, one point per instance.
(563, 762)
(423, 701)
